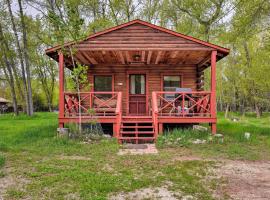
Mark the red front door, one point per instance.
(137, 94)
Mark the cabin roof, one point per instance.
(190, 43)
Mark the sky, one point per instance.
(28, 9)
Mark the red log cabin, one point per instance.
(143, 77)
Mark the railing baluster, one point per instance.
(198, 103)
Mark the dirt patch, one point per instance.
(187, 158)
(74, 158)
(156, 193)
(138, 149)
(245, 180)
(11, 182)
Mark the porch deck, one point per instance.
(164, 107)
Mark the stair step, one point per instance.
(136, 138)
(136, 116)
(123, 126)
(137, 132)
(139, 122)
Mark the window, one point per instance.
(103, 83)
(170, 83)
(137, 84)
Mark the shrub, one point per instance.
(89, 131)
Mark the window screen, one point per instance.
(170, 83)
(102, 83)
(137, 84)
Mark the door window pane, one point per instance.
(137, 84)
(170, 83)
(102, 83)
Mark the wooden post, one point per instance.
(61, 88)
(160, 128)
(213, 89)
(115, 130)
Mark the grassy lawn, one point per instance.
(235, 145)
(41, 166)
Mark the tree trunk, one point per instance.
(258, 110)
(8, 71)
(19, 50)
(26, 58)
(227, 111)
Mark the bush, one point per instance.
(89, 131)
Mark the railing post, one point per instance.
(213, 84)
(118, 112)
(213, 89)
(61, 85)
(155, 113)
(91, 100)
(183, 104)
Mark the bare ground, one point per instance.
(9, 181)
(245, 180)
(242, 180)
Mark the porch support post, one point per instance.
(213, 90)
(61, 88)
(115, 130)
(160, 128)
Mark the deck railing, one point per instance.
(181, 104)
(93, 104)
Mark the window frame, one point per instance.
(171, 74)
(101, 74)
(144, 75)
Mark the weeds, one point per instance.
(182, 137)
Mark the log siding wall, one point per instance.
(154, 73)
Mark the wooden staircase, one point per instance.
(137, 129)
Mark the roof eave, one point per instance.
(223, 50)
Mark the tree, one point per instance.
(6, 66)
(20, 55)
(30, 110)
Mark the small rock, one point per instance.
(107, 136)
(198, 141)
(199, 128)
(247, 135)
(235, 119)
(218, 135)
(187, 197)
(62, 132)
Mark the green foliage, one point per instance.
(182, 137)
(78, 79)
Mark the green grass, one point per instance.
(57, 168)
(45, 162)
(235, 145)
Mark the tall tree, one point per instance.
(26, 59)
(20, 56)
(8, 69)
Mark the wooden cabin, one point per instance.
(143, 76)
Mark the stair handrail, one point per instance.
(118, 112)
(155, 113)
